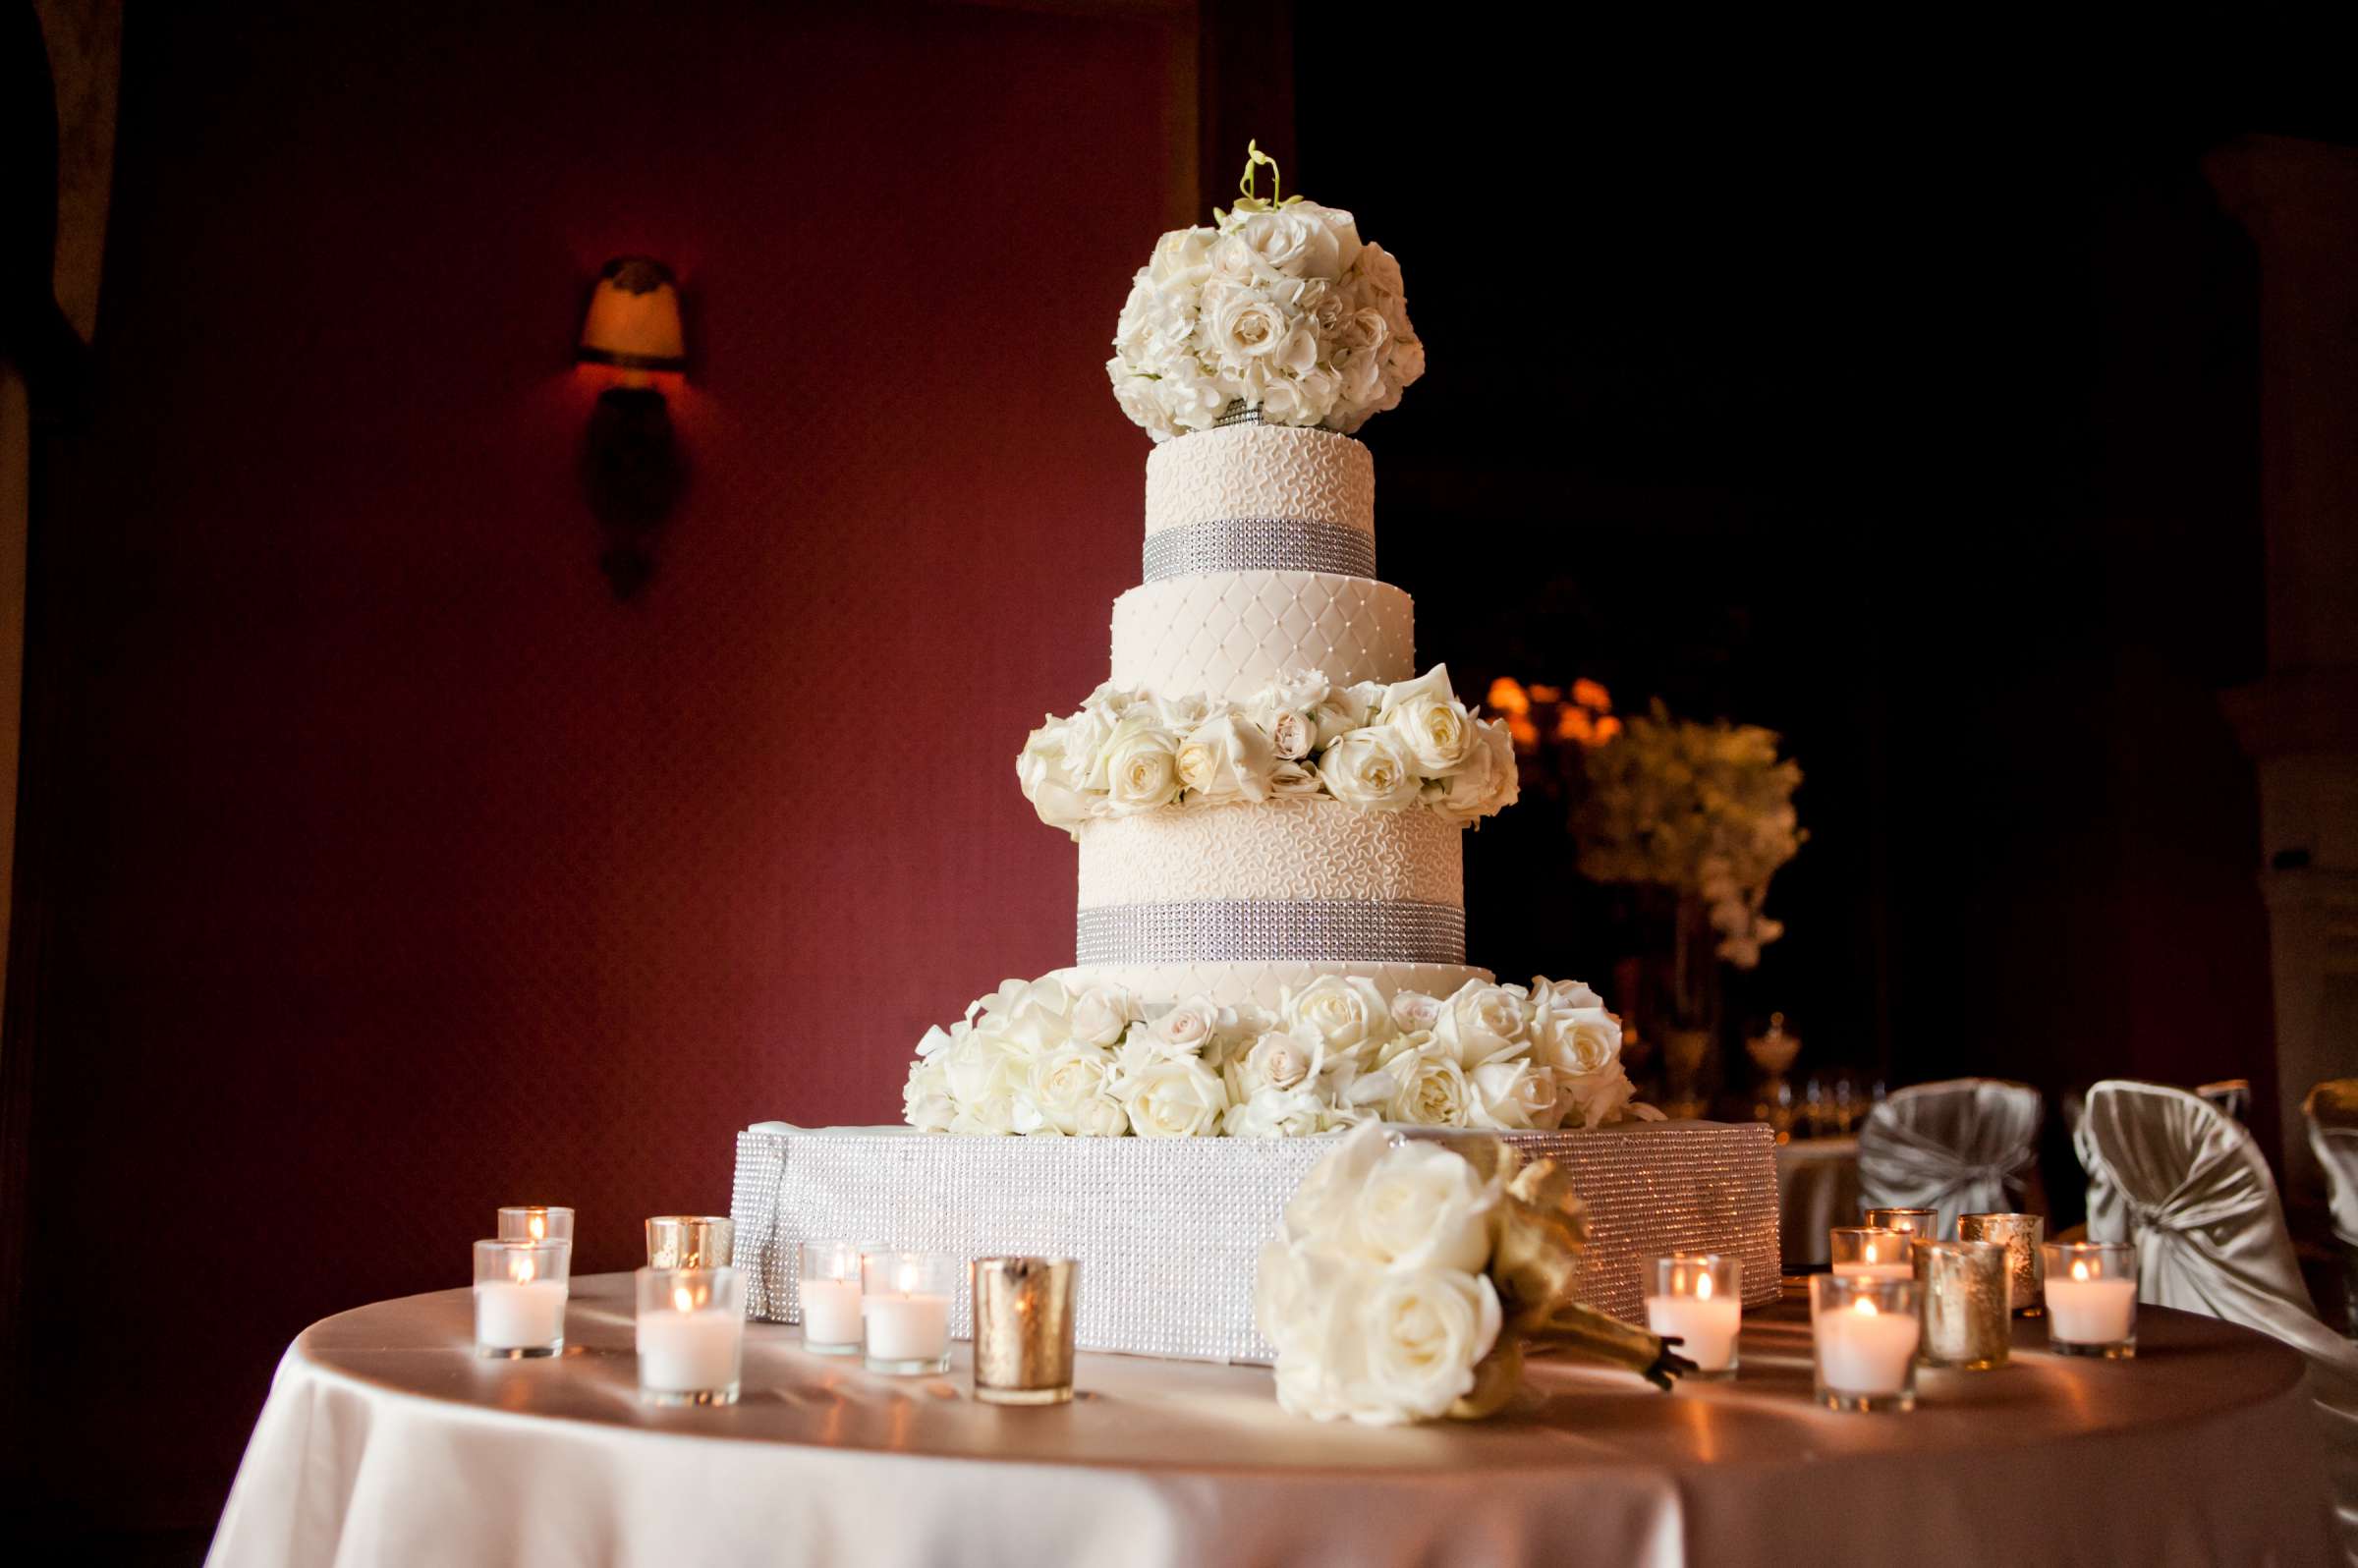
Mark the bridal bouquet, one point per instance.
(1043, 1058)
(1406, 1278)
(1381, 748)
(1278, 305)
(1703, 809)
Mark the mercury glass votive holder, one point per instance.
(520, 1290)
(1024, 1329)
(691, 1240)
(1864, 1330)
(1923, 1223)
(2091, 1299)
(1698, 1299)
(691, 1334)
(1966, 1324)
(827, 1285)
(535, 1222)
(905, 1310)
(2022, 1236)
(1872, 1250)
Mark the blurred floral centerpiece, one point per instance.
(1701, 810)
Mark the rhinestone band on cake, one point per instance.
(1259, 544)
(1256, 930)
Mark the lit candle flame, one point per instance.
(2079, 1269)
(1864, 1307)
(1703, 1287)
(519, 1270)
(1871, 1251)
(682, 1299)
(538, 1223)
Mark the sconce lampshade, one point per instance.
(634, 320)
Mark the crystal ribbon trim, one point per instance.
(1259, 544)
(1246, 930)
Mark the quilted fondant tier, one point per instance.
(1236, 634)
(1263, 472)
(1299, 849)
(1264, 985)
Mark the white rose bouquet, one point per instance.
(1377, 746)
(1044, 1058)
(1277, 305)
(1407, 1276)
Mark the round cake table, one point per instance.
(387, 1441)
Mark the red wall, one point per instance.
(391, 869)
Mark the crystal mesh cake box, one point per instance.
(1169, 1231)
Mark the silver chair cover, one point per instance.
(1963, 1147)
(2231, 1094)
(2333, 1137)
(2186, 1184)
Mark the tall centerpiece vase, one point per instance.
(1691, 1004)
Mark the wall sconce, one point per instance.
(630, 469)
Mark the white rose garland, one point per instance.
(1376, 747)
(1042, 1059)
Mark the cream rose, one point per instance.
(1174, 1098)
(1414, 1010)
(1187, 1028)
(1240, 325)
(1482, 1024)
(1563, 996)
(1434, 726)
(1064, 1080)
(1142, 767)
(1279, 1059)
(1102, 1014)
(926, 1102)
(1292, 735)
(1429, 1089)
(1368, 768)
(1346, 1013)
(1421, 1334)
(1576, 1040)
(1277, 1113)
(1421, 1206)
(1516, 1096)
(1226, 758)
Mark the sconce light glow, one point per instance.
(634, 319)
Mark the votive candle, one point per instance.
(1873, 1252)
(1024, 1329)
(1865, 1332)
(1922, 1223)
(905, 1310)
(691, 1240)
(2091, 1299)
(2022, 1236)
(535, 1222)
(827, 1280)
(520, 1291)
(1698, 1299)
(690, 1335)
(1965, 1319)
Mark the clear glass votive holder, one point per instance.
(1697, 1299)
(1024, 1329)
(2091, 1299)
(520, 1289)
(2022, 1236)
(691, 1240)
(905, 1310)
(1922, 1223)
(691, 1332)
(1872, 1250)
(1865, 1332)
(1966, 1324)
(535, 1222)
(827, 1285)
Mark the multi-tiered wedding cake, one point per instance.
(1267, 797)
(1269, 801)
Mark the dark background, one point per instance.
(375, 867)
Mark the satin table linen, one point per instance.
(386, 1441)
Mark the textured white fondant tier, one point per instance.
(1235, 633)
(1298, 849)
(1264, 983)
(1261, 471)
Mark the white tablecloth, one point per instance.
(385, 1441)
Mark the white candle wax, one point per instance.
(1877, 1270)
(907, 1328)
(523, 1315)
(1707, 1328)
(2090, 1312)
(831, 1311)
(686, 1353)
(1865, 1351)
